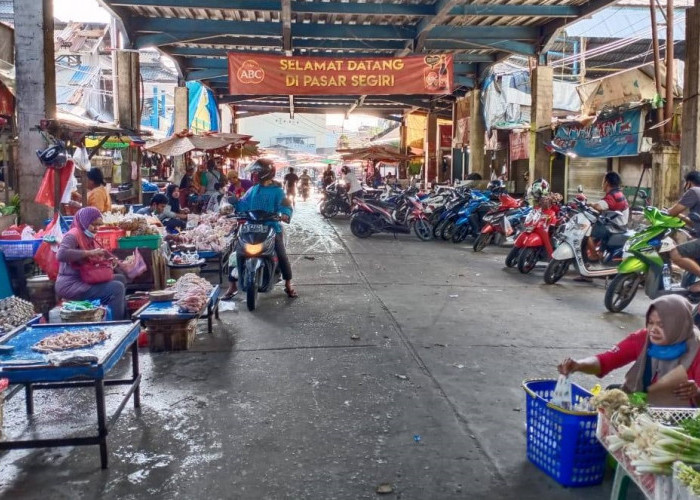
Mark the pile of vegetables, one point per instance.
(651, 446)
(689, 477)
(11, 208)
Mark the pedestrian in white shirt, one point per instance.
(353, 185)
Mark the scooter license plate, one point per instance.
(253, 228)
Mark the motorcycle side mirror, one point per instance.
(579, 188)
(642, 195)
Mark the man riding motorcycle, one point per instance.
(328, 177)
(614, 203)
(685, 255)
(269, 197)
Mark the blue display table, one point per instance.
(32, 369)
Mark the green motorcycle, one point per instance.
(646, 255)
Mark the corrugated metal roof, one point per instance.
(625, 22)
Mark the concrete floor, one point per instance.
(284, 403)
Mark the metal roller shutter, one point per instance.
(589, 173)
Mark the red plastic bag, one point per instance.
(46, 256)
(45, 195)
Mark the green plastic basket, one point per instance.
(145, 241)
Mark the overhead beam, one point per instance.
(483, 32)
(474, 9)
(473, 58)
(442, 11)
(464, 81)
(512, 47)
(205, 74)
(174, 26)
(550, 31)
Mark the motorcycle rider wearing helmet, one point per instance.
(685, 255)
(269, 196)
(613, 201)
(496, 187)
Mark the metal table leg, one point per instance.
(209, 320)
(29, 396)
(101, 421)
(135, 373)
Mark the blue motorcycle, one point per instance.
(470, 217)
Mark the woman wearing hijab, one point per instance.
(669, 340)
(78, 246)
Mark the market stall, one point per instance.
(42, 357)
(171, 317)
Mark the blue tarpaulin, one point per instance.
(203, 110)
(611, 136)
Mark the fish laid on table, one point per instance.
(76, 339)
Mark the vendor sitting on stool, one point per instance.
(159, 208)
(78, 245)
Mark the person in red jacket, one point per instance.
(669, 340)
(614, 202)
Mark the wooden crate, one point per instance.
(171, 334)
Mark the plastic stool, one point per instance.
(621, 484)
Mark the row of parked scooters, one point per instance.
(552, 231)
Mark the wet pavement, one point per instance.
(401, 362)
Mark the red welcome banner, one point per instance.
(255, 74)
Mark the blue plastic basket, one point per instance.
(563, 443)
(19, 249)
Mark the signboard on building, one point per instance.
(519, 145)
(445, 133)
(263, 74)
(616, 135)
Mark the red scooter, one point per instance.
(535, 242)
(496, 222)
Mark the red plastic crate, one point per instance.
(109, 238)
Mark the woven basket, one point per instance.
(88, 316)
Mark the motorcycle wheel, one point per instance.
(460, 234)
(360, 229)
(423, 230)
(252, 292)
(447, 230)
(512, 257)
(482, 242)
(437, 229)
(329, 210)
(527, 260)
(621, 291)
(556, 269)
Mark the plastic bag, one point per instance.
(46, 255)
(213, 204)
(508, 226)
(562, 393)
(133, 267)
(82, 159)
(45, 195)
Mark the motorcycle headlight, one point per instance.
(253, 248)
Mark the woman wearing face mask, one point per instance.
(77, 247)
(669, 340)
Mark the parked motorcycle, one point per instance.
(501, 222)
(450, 211)
(471, 216)
(535, 242)
(449, 222)
(572, 244)
(374, 216)
(646, 260)
(335, 201)
(255, 249)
